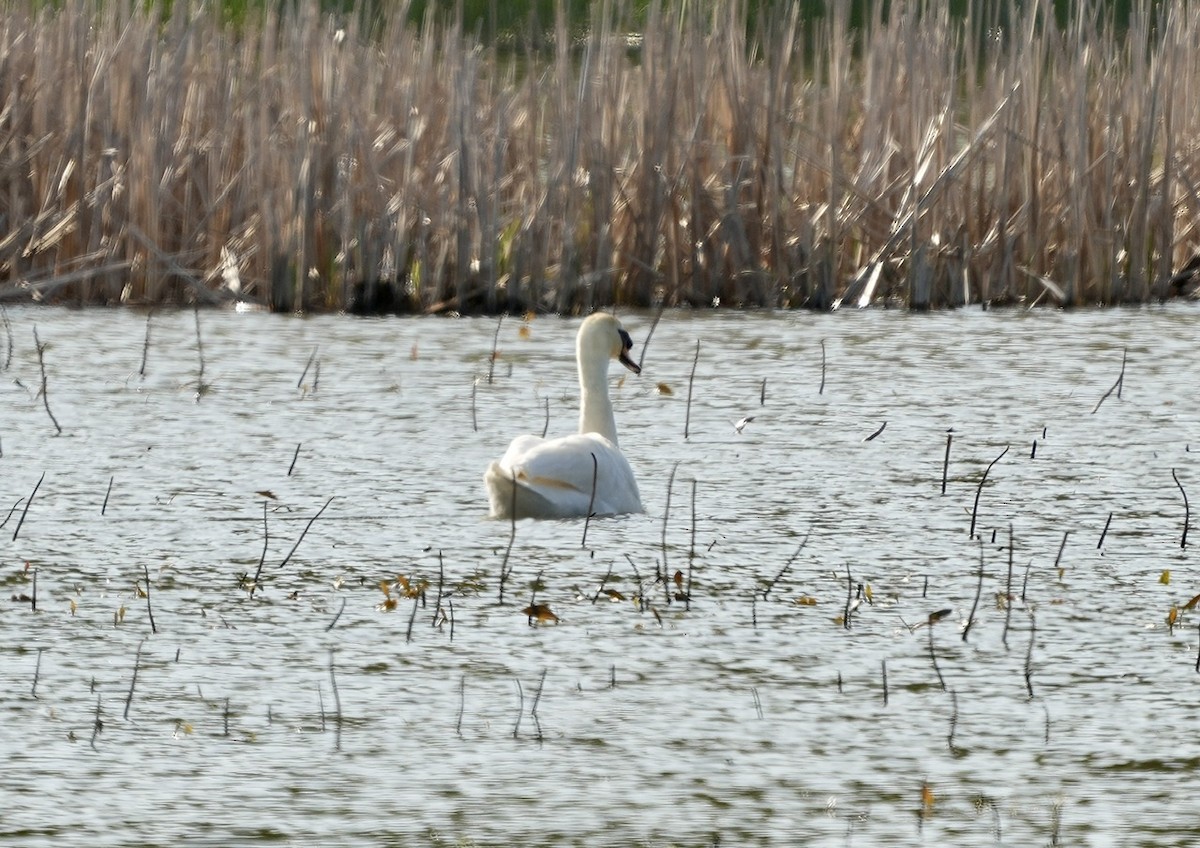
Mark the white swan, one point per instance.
(553, 478)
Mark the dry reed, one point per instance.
(306, 161)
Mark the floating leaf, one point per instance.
(1165, 577)
(664, 389)
(266, 493)
(524, 332)
(867, 593)
(678, 579)
(74, 606)
(927, 798)
(385, 587)
(540, 613)
(1172, 616)
(614, 595)
(806, 601)
(1192, 603)
(388, 604)
(935, 617)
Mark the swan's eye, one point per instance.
(626, 341)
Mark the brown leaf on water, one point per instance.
(1172, 616)
(266, 493)
(935, 617)
(540, 613)
(524, 332)
(410, 589)
(664, 389)
(806, 601)
(529, 316)
(388, 604)
(614, 595)
(678, 579)
(927, 799)
(1192, 603)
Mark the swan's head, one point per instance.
(601, 336)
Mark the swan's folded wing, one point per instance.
(561, 471)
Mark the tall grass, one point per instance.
(313, 161)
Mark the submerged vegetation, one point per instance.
(313, 160)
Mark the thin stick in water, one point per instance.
(307, 365)
(97, 724)
(520, 708)
(295, 456)
(149, 610)
(307, 527)
(341, 610)
(200, 387)
(263, 558)
(104, 506)
(1008, 597)
(337, 703)
(495, 353)
(546, 423)
(1117, 385)
(883, 670)
(687, 420)
(474, 418)
(607, 575)
(512, 537)
(821, 390)
(462, 705)
(787, 565)
(946, 459)
(1029, 655)
(28, 503)
(1104, 533)
(650, 333)
(37, 670)
(687, 593)
(666, 514)
(591, 502)
(146, 344)
(45, 395)
(979, 490)
(1187, 512)
(762, 393)
(133, 681)
(978, 593)
(412, 618)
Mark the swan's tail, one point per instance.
(507, 496)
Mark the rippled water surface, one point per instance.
(311, 714)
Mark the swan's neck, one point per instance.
(595, 408)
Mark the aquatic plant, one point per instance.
(305, 159)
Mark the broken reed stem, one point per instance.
(754, 610)
(97, 724)
(104, 506)
(979, 490)
(1117, 385)
(199, 354)
(225, 717)
(1104, 532)
(307, 365)
(8, 354)
(537, 581)
(537, 696)
(263, 558)
(849, 598)
(450, 606)
(149, 610)
(762, 393)
(687, 419)
(1187, 512)
(933, 659)
(883, 671)
(512, 537)
(437, 604)
(546, 422)
(1029, 655)
(666, 514)
(42, 365)
(341, 610)
(412, 618)
(307, 527)
(337, 703)
(495, 347)
(591, 502)
(295, 456)
(1008, 598)
(33, 594)
(787, 565)
(28, 503)
(462, 705)
(1025, 580)
(1061, 547)
(946, 460)
(133, 681)
(37, 670)
(607, 575)
(146, 344)
(978, 593)
(520, 708)
(474, 419)
(953, 719)
(821, 389)
(687, 593)
(662, 304)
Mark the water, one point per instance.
(744, 720)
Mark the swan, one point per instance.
(553, 478)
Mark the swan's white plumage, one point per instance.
(553, 477)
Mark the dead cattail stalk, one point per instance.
(979, 490)
(333, 623)
(1115, 386)
(33, 593)
(28, 503)
(133, 680)
(1187, 513)
(1104, 532)
(650, 333)
(537, 697)
(1008, 596)
(304, 533)
(946, 460)
(41, 349)
(876, 434)
(591, 502)
(687, 419)
(978, 592)
(546, 423)
(149, 609)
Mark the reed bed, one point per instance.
(309, 161)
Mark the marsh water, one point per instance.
(319, 713)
